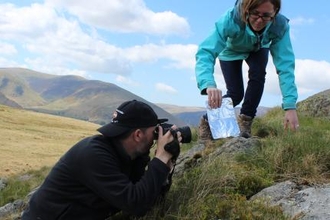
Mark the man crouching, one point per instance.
(106, 173)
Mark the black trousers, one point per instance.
(233, 76)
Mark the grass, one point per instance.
(215, 188)
(220, 188)
(20, 186)
(31, 140)
(30, 144)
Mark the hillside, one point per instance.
(317, 105)
(31, 140)
(70, 96)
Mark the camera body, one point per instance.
(174, 146)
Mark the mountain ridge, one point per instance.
(70, 96)
(94, 100)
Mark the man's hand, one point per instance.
(164, 139)
(291, 120)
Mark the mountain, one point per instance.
(69, 96)
(5, 101)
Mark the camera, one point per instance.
(174, 146)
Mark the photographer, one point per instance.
(104, 174)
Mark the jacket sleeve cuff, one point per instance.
(289, 106)
(203, 91)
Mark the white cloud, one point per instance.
(55, 40)
(312, 76)
(165, 88)
(124, 16)
(301, 21)
(7, 49)
(127, 81)
(46, 65)
(181, 56)
(25, 23)
(9, 63)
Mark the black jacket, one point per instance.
(96, 179)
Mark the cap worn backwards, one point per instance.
(129, 115)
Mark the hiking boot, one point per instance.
(245, 123)
(204, 129)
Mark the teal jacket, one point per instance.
(232, 39)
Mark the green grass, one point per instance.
(17, 187)
(220, 188)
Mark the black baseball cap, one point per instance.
(129, 115)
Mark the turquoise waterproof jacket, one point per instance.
(232, 39)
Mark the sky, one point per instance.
(148, 46)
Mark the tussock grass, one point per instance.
(303, 155)
(220, 188)
(18, 187)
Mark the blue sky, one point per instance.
(148, 47)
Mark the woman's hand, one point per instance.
(291, 120)
(214, 97)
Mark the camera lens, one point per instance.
(185, 134)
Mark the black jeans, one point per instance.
(233, 75)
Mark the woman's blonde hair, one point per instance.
(249, 5)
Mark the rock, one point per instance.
(238, 144)
(308, 203)
(3, 183)
(11, 208)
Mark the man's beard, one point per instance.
(148, 145)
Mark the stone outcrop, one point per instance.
(305, 203)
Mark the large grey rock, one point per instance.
(307, 203)
(11, 208)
